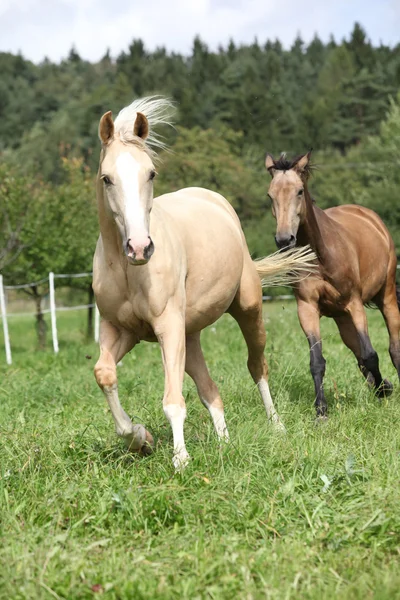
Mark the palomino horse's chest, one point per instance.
(127, 319)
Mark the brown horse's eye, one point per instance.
(300, 192)
(106, 180)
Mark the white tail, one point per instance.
(286, 268)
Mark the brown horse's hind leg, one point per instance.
(208, 392)
(349, 335)
(114, 344)
(246, 309)
(369, 357)
(309, 318)
(390, 311)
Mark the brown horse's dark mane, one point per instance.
(284, 164)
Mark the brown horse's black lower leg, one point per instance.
(369, 361)
(389, 308)
(317, 367)
(309, 320)
(350, 338)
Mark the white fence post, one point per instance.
(5, 324)
(96, 324)
(53, 313)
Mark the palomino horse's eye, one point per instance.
(152, 175)
(300, 192)
(106, 180)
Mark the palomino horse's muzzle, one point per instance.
(285, 241)
(139, 254)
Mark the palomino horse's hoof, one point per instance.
(279, 426)
(140, 441)
(180, 461)
(148, 445)
(385, 389)
(321, 420)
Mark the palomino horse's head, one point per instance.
(126, 172)
(286, 192)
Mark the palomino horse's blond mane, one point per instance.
(159, 111)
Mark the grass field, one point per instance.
(313, 514)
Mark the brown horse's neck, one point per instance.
(311, 230)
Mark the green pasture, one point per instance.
(314, 514)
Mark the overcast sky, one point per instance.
(40, 28)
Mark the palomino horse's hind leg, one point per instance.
(390, 311)
(208, 392)
(170, 331)
(114, 344)
(246, 309)
(309, 318)
(350, 338)
(369, 356)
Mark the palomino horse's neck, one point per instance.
(312, 230)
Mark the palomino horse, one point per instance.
(166, 269)
(357, 265)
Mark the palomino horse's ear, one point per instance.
(303, 162)
(106, 127)
(270, 164)
(141, 126)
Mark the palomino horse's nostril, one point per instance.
(149, 250)
(129, 249)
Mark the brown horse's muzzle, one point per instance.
(285, 241)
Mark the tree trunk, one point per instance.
(89, 331)
(41, 326)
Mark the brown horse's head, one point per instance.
(126, 172)
(286, 192)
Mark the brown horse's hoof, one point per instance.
(321, 420)
(385, 389)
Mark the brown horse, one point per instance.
(357, 265)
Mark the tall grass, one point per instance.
(313, 514)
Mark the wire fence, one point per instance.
(54, 308)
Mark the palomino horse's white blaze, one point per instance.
(195, 268)
(135, 217)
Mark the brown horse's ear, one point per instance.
(303, 162)
(141, 126)
(106, 127)
(270, 164)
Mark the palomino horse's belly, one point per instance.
(207, 310)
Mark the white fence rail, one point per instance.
(54, 309)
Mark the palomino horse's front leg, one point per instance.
(114, 344)
(170, 331)
(309, 318)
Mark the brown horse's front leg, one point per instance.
(369, 357)
(309, 317)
